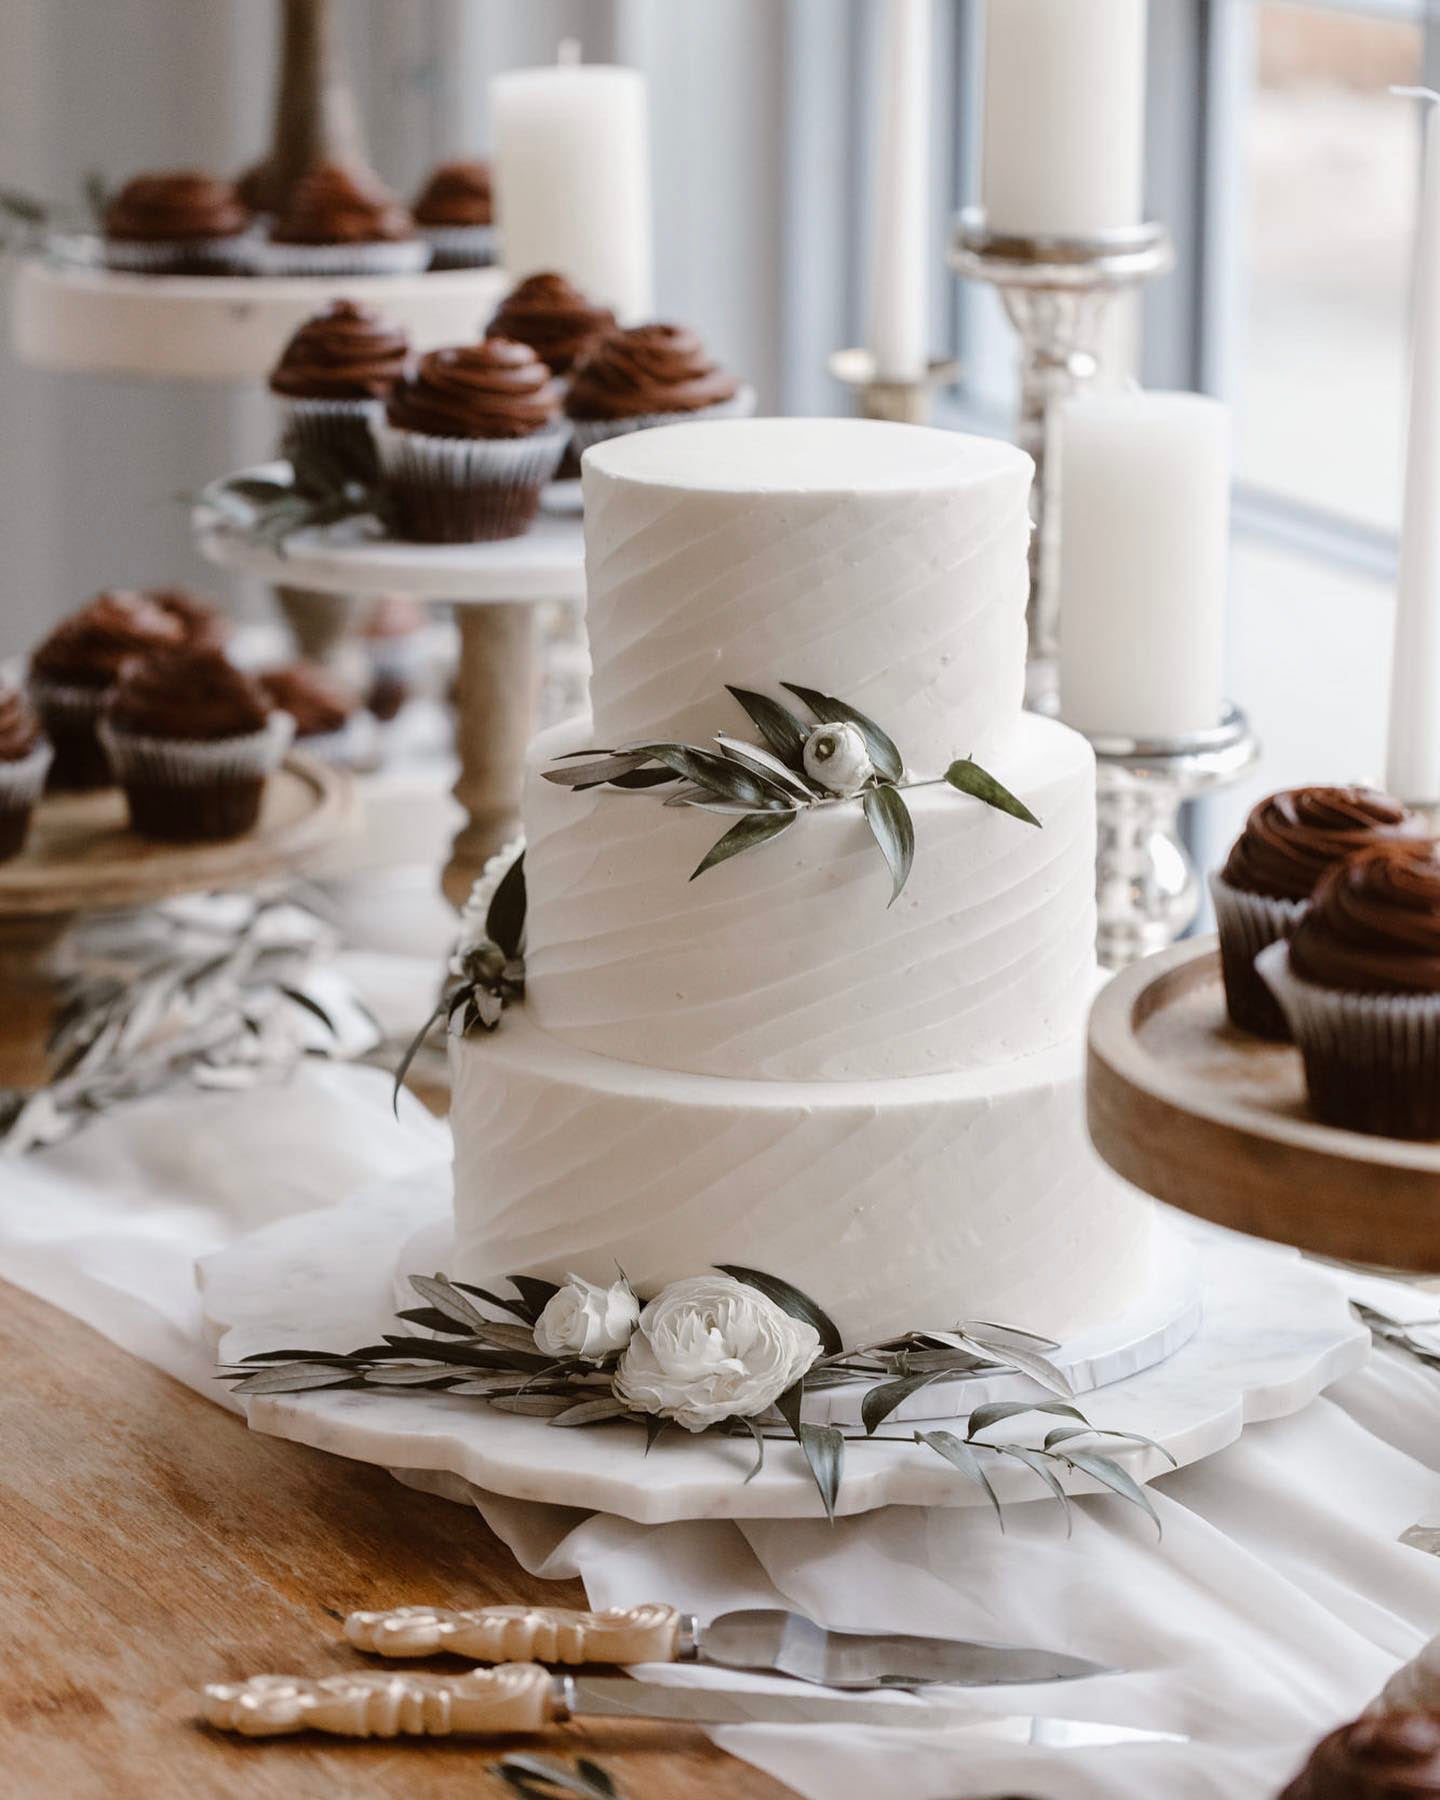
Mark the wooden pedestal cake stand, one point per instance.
(81, 858)
(1216, 1123)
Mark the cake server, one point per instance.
(764, 1639)
(518, 1698)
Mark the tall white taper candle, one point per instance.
(1064, 138)
(1412, 768)
(900, 263)
(1144, 540)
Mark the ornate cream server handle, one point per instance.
(519, 1697)
(511, 1634)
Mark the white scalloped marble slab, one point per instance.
(1277, 1330)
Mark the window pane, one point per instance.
(1330, 169)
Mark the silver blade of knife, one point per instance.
(791, 1644)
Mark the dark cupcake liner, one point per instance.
(405, 256)
(21, 783)
(69, 717)
(184, 791)
(1372, 1061)
(342, 427)
(588, 432)
(1248, 923)
(461, 246)
(446, 490)
(235, 255)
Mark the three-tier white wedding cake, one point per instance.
(769, 1065)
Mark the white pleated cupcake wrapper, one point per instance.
(22, 781)
(415, 457)
(478, 244)
(587, 432)
(237, 255)
(73, 707)
(323, 422)
(1388, 1035)
(1254, 920)
(189, 762)
(408, 257)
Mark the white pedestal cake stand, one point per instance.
(1276, 1331)
(495, 588)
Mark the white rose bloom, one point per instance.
(587, 1320)
(838, 758)
(710, 1348)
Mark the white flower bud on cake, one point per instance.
(710, 1348)
(587, 1320)
(838, 758)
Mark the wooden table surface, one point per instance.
(149, 1543)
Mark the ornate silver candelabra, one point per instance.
(1057, 292)
(879, 397)
(1147, 889)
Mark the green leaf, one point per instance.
(960, 1456)
(718, 774)
(881, 1401)
(829, 711)
(644, 778)
(1039, 1464)
(971, 779)
(791, 787)
(24, 207)
(535, 1293)
(891, 826)
(748, 834)
(533, 1406)
(984, 1417)
(1009, 1355)
(655, 1429)
(779, 727)
(441, 1294)
(759, 1436)
(432, 1319)
(596, 773)
(505, 919)
(412, 1050)
(294, 1378)
(516, 1308)
(824, 1447)
(591, 1412)
(790, 1300)
(789, 1404)
(1109, 1474)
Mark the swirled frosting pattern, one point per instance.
(457, 193)
(19, 728)
(1374, 923)
(1291, 839)
(554, 318)
(314, 699)
(347, 352)
(194, 694)
(493, 389)
(200, 619)
(648, 369)
(337, 205)
(89, 648)
(175, 207)
(1380, 1757)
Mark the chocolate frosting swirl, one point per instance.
(174, 207)
(1293, 838)
(311, 695)
(554, 318)
(648, 369)
(1374, 923)
(19, 728)
(89, 648)
(457, 193)
(193, 694)
(493, 389)
(347, 352)
(1380, 1757)
(200, 619)
(332, 204)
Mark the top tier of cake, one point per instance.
(881, 563)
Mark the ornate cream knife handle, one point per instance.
(517, 1698)
(511, 1634)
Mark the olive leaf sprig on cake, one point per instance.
(837, 757)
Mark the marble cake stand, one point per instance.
(495, 588)
(1276, 1331)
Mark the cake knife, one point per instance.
(521, 1698)
(765, 1639)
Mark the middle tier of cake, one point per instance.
(786, 963)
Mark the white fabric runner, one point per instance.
(1275, 1607)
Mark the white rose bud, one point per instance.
(710, 1348)
(586, 1320)
(838, 758)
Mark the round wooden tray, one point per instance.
(1216, 1123)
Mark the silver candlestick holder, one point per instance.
(1147, 889)
(1058, 292)
(879, 397)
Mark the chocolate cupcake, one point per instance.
(200, 619)
(74, 669)
(1359, 984)
(394, 644)
(469, 441)
(325, 713)
(333, 379)
(1290, 840)
(1376, 1758)
(191, 740)
(24, 762)
(179, 223)
(554, 318)
(343, 221)
(649, 375)
(455, 214)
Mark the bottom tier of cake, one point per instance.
(898, 1205)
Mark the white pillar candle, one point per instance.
(900, 265)
(1413, 763)
(572, 180)
(1144, 541)
(1064, 138)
